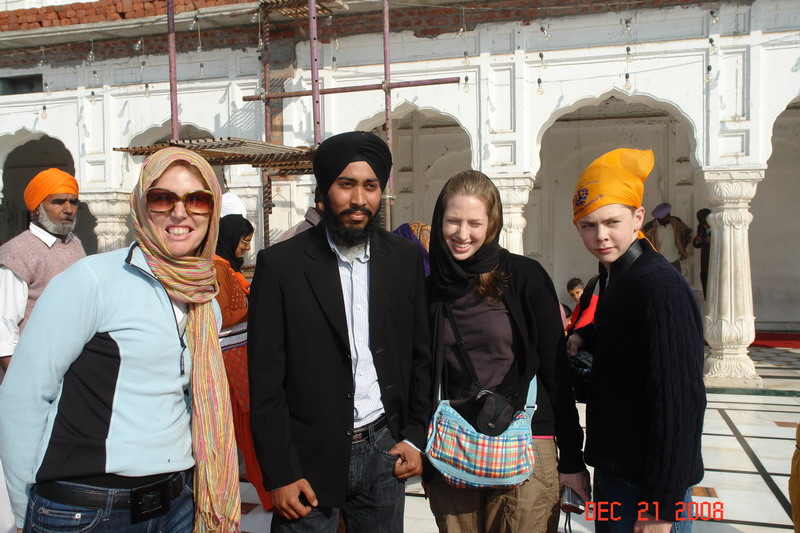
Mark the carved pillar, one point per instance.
(729, 320)
(111, 210)
(514, 190)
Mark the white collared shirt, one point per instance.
(14, 296)
(354, 276)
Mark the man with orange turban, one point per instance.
(646, 398)
(32, 258)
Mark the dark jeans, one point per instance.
(612, 489)
(46, 516)
(375, 497)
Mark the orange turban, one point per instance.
(47, 182)
(613, 178)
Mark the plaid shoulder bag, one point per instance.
(468, 458)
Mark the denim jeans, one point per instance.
(612, 489)
(375, 497)
(46, 516)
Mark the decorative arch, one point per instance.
(429, 147)
(667, 106)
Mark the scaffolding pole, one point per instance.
(388, 194)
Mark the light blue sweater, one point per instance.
(99, 381)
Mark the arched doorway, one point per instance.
(574, 141)
(774, 255)
(429, 147)
(22, 164)
(163, 133)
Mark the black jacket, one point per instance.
(646, 395)
(539, 333)
(301, 377)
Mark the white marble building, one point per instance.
(723, 118)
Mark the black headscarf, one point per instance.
(335, 153)
(452, 279)
(231, 230)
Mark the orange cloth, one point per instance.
(616, 177)
(236, 367)
(47, 182)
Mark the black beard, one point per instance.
(347, 236)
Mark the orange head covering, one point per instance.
(616, 177)
(47, 182)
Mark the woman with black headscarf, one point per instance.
(235, 235)
(505, 308)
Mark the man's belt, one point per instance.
(360, 434)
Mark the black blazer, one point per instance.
(300, 368)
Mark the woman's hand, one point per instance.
(574, 343)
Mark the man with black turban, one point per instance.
(339, 355)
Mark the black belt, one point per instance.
(144, 502)
(362, 433)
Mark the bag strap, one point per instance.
(530, 401)
(461, 349)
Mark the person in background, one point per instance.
(703, 241)
(669, 235)
(31, 259)
(506, 310)
(580, 317)
(116, 412)
(310, 220)
(419, 233)
(235, 238)
(646, 398)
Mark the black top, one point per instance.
(646, 397)
(539, 348)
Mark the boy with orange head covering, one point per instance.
(646, 398)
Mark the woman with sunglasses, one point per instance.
(116, 408)
(505, 309)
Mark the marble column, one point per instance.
(111, 209)
(514, 190)
(729, 319)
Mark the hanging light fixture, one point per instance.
(138, 44)
(709, 76)
(44, 112)
(542, 63)
(147, 90)
(466, 84)
(92, 98)
(465, 62)
(546, 33)
(47, 90)
(539, 89)
(193, 25)
(713, 49)
(90, 55)
(628, 54)
(202, 71)
(714, 17)
(627, 28)
(628, 86)
(42, 62)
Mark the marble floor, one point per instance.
(748, 441)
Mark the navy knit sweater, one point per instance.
(646, 398)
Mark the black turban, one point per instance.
(335, 153)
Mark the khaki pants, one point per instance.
(529, 508)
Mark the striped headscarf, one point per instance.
(192, 279)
